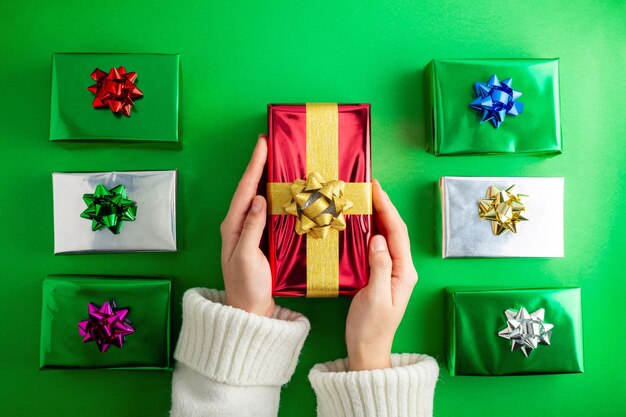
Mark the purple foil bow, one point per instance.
(106, 325)
(496, 99)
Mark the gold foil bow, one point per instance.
(504, 208)
(314, 199)
(318, 205)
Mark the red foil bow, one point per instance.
(116, 90)
(106, 325)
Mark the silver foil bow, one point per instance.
(525, 330)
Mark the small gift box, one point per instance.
(319, 198)
(499, 217)
(114, 97)
(481, 106)
(105, 322)
(514, 331)
(114, 211)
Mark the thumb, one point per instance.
(253, 225)
(380, 265)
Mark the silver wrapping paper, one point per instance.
(154, 229)
(465, 235)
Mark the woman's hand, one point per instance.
(376, 310)
(247, 276)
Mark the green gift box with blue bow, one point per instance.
(493, 106)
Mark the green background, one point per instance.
(238, 57)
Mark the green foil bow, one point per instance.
(109, 208)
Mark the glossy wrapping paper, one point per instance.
(475, 316)
(463, 234)
(154, 228)
(453, 128)
(153, 117)
(286, 163)
(65, 303)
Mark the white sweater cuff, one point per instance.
(406, 389)
(235, 347)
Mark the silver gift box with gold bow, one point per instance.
(500, 217)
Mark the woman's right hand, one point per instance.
(378, 308)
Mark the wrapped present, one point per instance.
(482, 106)
(514, 331)
(497, 217)
(114, 211)
(115, 97)
(105, 322)
(319, 198)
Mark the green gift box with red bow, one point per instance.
(115, 97)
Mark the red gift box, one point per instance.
(321, 256)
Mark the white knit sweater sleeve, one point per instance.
(404, 390)
(230, 362)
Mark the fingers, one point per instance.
(246, 190)
(380, 266)
(249, 183)
(253, 225)
(396, 231)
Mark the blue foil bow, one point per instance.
(496, 99)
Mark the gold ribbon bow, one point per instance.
(504, 208)
(320, 205)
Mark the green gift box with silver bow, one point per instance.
(514, 331)
(490, 106)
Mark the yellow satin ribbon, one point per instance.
(322, 233)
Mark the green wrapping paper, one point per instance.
(154, 117)
(475, 316)
(453, 128)
(65, 303)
